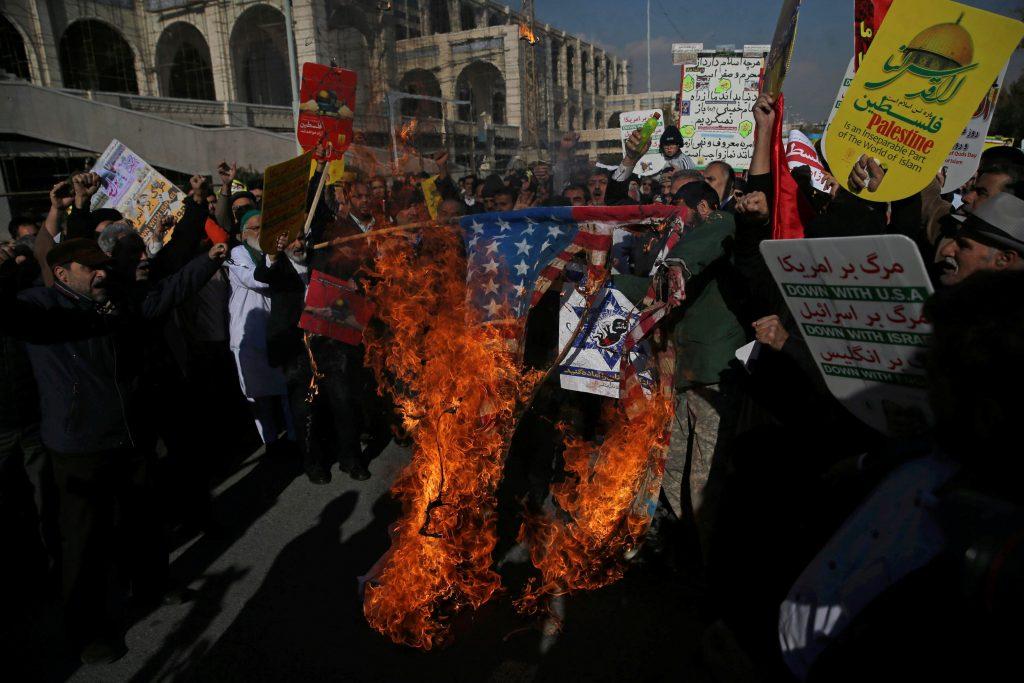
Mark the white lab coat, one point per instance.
(248, 311)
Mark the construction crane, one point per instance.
(530, 86)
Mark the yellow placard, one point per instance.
(927, 69)
(284, 201)
(335, 171)
(431, 196)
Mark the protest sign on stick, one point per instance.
(327, 108)
(284, 201)
(777, 64)
(715, 108)
(858, 302)
(335, 308)
(652, 162)
(918, 87)
(143, 196)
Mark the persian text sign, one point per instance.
(965, 156)
(594, 363)
(918, 87)
(284, 201)
(715, 116)
(858, 302)
(652, 162)
(326, 109)
(142, 195)
(335, 308)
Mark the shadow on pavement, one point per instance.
(306, 623)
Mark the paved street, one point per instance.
(275, 599)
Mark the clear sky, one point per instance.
(823, 50)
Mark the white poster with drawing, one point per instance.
(142, 195)
(858, 302)
(594, 363)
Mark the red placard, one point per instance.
(335, 309)
(326, 109)
(867, 17)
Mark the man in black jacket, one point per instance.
(87, 352)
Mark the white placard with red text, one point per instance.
(800, 152)
(858, 302)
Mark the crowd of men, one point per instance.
(117, 347)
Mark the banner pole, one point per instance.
(316, 200)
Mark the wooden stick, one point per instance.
(316, 199)
(376, 233)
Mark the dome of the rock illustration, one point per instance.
(942, 47)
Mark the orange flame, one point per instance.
(407, 132)
(606, 500)
(526, 33)
(457, 388)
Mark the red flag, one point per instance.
(868, 16)
(791, 209)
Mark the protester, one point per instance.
(991, 237)
(249, 311)
(87, 353)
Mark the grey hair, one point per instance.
(112, 233)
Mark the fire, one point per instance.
(457, 389)
(526, 33)
(407, 132)
(605, 499)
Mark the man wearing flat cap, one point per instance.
(87, 347)
(989, 238)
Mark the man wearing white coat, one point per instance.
(249, 309)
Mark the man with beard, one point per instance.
(347, 400)
(991, 238)
(286, 275)
(86, 349)
(249, 311)
(706, 333)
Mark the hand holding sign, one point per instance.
(929, 66)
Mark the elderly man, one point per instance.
(249, 311)
(990, 238)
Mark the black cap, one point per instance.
(78, 250)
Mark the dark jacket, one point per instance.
(287, 299)
(19, 402)
(87, 362)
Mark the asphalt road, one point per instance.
(274, 599)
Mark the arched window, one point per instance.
(95, 56)
(467, 17)
(421, 82)
(258, 51)
(13, 58)
(554, 63)
(183, 63)
(440, 22)
(570, 53)
(483, 85)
